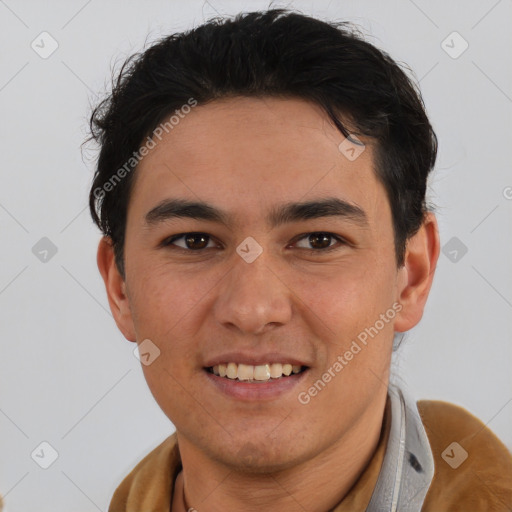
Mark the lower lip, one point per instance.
(256, 391)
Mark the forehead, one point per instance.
(248, 153)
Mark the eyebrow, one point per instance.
(281, 214)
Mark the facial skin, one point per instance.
(246, 157)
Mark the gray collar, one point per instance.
(408, 466)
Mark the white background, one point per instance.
(68, 377)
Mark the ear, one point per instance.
(116, 288)
(416, 276)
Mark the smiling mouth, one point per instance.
(256, 374)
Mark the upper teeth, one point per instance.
(260, 372)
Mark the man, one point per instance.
(261, 188)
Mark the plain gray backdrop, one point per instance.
(67, 376)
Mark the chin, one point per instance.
(261, 457)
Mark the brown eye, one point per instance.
(190, 241)
(318, 241)
(196, 241)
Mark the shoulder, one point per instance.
(150, 482)
(473, 468)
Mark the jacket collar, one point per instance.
(408, 466)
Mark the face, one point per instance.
(257, 278)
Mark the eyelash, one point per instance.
(169, 241)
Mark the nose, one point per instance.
(252, 298)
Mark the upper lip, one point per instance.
(254, 359)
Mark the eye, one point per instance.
(190, 241)
(319, 241)
(313, 242)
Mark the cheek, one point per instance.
(174, 390)
(163, 309)
(357, 307)
(164, 306)
(162, 298)
(348, 299)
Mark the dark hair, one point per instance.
(274, 53)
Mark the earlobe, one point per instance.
(417, 274)
(116, 288)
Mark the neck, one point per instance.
(316, 485)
